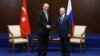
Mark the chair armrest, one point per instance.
(82, 37)
(25, 34)
(11, 34)
(12, 37)
(27, 38)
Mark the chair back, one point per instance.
(79, 30)
(15, 30)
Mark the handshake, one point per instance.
(48, 26)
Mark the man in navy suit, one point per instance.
(64, 27)
(43, 30)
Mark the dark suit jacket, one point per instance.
(65, 26)
(42, 22)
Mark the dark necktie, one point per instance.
(61, 19)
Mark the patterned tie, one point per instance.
(61, 19)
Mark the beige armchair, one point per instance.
(15, 36)
(79, 36)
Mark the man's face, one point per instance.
(46, 7)
(62, 11)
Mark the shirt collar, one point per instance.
(63, 15)
(44, 11)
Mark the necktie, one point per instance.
(46, 14)
(61, 19)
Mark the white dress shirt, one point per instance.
(46, 14)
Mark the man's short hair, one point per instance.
(46, 3)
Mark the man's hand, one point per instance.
(69, 35)
(48, 26)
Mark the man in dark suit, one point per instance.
(43, 30)
(64, 27)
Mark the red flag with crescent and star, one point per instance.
(24, 22)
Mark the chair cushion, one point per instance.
(76, 40)
(19, 40)
(56, 38)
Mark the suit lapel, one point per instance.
(64, 18)
(45, 16)
(48, 18)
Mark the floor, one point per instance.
(75, 52)
(92, 47)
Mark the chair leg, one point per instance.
(80, 48)
(71, 47)
(28, 47)
(9, 49)
(84, 45)
(13, 47)
(32, 45)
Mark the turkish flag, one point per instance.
(24, 22)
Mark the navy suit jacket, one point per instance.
(64, 27)
(42, 22)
